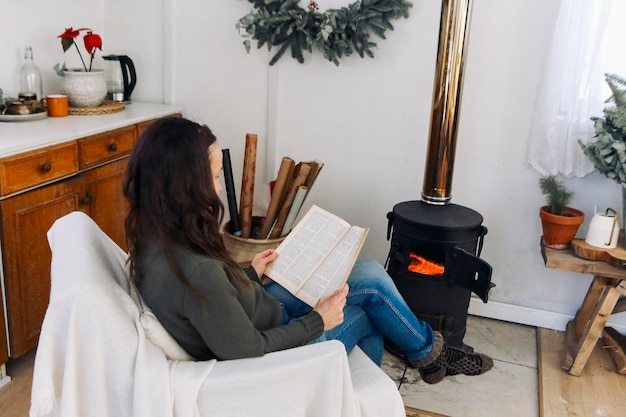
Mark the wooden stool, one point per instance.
(616, 344)
(602, 300)
(584, 331)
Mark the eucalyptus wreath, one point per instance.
(336, 32)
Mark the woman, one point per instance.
(212, 307)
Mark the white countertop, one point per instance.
(18, 137)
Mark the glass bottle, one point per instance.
(30, 75)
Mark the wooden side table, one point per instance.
(602, 300)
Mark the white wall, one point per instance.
(366, 119)
(38, 23)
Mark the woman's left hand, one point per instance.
(260, 261)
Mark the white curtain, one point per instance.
(573, 88)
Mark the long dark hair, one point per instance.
(169, 186)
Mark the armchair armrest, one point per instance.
(309, 381)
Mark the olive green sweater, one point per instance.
(232, 320)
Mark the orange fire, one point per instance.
(423, 266)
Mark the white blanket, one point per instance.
(94, 359)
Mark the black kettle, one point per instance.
(121, 77)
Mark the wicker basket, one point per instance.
(107, 107)
(243, 250)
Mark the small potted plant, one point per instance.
(559, 222)
(86, 86)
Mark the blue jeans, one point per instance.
(374, 310)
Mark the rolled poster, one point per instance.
(234, 227)
(247, 185)
(280, 187)
(288, 201)
(294, 210)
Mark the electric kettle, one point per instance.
(121, 77)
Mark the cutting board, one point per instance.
(614, 257)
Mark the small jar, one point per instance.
(20, 108)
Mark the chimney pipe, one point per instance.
(455, 16)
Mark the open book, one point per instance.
(316, 258)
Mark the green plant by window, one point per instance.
(608, 151)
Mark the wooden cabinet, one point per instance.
(38, 187)
(26, 219)
(104, 200)
(4, 347)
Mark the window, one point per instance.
(588, 41)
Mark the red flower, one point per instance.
(91, 41)
(69, 33)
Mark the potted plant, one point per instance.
(559, 222)
(86, 86)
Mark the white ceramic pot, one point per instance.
(603, 230)
(84, 89)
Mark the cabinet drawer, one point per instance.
(97, 149)
(27, 170)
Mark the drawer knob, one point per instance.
(87, 199)
(112, 147)
(45, 168)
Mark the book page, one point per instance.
(305, 248)
(333, 272)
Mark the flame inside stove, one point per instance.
(423, 266)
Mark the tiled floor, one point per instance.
(509, 389)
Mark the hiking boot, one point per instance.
(444, 360)
(461, 362)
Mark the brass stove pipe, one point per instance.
(455, 16)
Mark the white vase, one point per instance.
(84, 89)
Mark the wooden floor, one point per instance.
(412, 412)
(599, 391)
(15, 396)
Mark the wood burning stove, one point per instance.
(435, 245)
(434, 261)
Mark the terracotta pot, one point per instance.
(559, 231)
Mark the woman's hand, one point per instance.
(331, 308)
(260, 261)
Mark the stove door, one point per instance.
(468, 271)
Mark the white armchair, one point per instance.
(100, 354)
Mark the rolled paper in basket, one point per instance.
(284, 175)
(294, 210)
(288, 201)
(247, 185)
(234, 227)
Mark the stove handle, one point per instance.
(393, 252)
(481, 238)
(389, 224)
